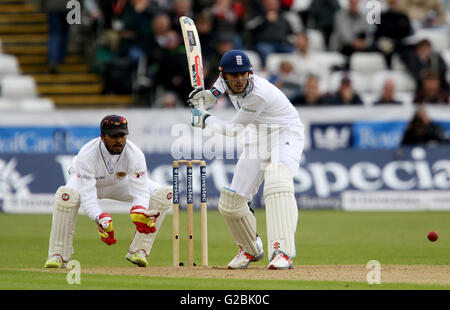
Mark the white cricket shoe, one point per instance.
(280, 261)
(138, 258)
(55, 261)
(243, 259)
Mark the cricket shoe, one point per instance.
(55, 261)
(243, 259)
(280, 261)
(138, 258)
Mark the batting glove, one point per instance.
(199, 95)
(144, 219)
(199, 117)
(105, 228)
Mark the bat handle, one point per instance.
(201, 104)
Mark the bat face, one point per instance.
(193, 51)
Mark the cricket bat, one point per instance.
(193, 52)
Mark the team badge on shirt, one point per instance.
(139, 174)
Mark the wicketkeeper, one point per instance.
(111, 167)
(259, 103)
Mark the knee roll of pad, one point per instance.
(67, 197)
(161, 198)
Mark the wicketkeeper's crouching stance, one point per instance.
(260, 103)
(108, 167)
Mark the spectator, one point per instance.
(305, 61)
(389, 34)
(204, 24)
(199, 5)
(321, 15)
(311, 95)
(431, 91)
(222, 44)
(161, 28)
(345, 95)
(97, 10)
(228, 18)
(301, 44)
(388, 94)
(180, 8)
(287, 80)
(173, 73)
(271, 29)
(422, 59)
(136, 33)
(429, 13)
(59, 31)
(168, 100)
(102, 14)
(421, 130)
(351, 31)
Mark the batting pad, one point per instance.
(240, 220)
(281, 209)
(67, 203)
(161, 200)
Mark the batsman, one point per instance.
(108, 167)
(260, 104)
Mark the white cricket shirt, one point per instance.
(94, 170)
(266, 104)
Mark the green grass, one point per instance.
(31, 280)
(323, 237)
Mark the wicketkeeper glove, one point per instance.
(144, 219)
(105, 228)
(200, 94)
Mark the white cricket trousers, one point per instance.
(249, 172)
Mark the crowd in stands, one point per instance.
(308, 48)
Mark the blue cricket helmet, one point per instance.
(235, 61)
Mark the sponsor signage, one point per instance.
(402, 179)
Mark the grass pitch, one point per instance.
(324, 238)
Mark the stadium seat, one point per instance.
(330, 59)
(403, 81)
(367, 62)
(446, 56)
(405, 97)
(254, 59)
(397, 63)
(37, 104)
(369, 98)
(302, 67)
(8, 65)
(438, 38)
(316, 40)
(8, 104)
(361, 82)
(18, 87)
(273, 61)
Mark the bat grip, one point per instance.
(201, 104)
